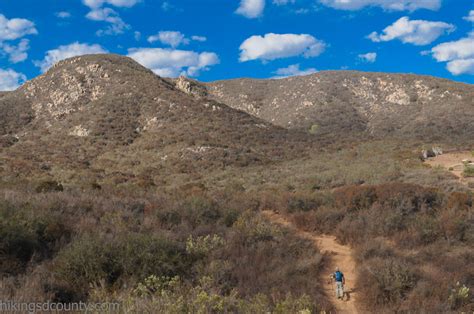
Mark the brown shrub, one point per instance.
(385, 282)
(356, 197)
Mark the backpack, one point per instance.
(338, 276)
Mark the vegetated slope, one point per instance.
(109, 115)
(344, 102)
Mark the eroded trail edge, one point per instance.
(339, 256)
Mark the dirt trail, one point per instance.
(339, 256)
(452, 162)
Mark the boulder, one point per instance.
(432, 152)
(427, 153)
(437, 151)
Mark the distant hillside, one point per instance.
(344, 102)
(106, 118)
(108, 115)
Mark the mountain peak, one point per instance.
(75, 82)
(100, 59)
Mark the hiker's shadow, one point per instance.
(347, 294)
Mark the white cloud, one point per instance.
(63, 14)
(99, 13)
(251, 8)
(369, 57)
(302, 11)
(459, 49)
(95, 4)
(174, 38)
(172, 63)
(15, 28)
(416, 32)
(137, 35)
(10, 80)
(470, 16)
(459, 54)
(283, 2)
(16, 53)
(167, 6)
(293, 70)
(276, 46)
(117, 25)
(391, 5)
(170, 38)
(462, 66)
(67, 51)
(199, 38)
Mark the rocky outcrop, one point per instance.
(191, 87)
(432, 152)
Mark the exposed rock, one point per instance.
(79, 131)
(432, 152)
(425, 154)
(437, 151)
(191, 87)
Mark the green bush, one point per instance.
(94, 259)
(230, 217)
(296, 203)
(49, 186)
(468, 171)
(459, 296)
(17, 245)
(87, 260)
(313, 129)
(169, 217)
(23, 236)
(426, 229)
(372, 249)
(144, 255)
(201, 246)
(254, 229)
(200, 210)
(173, 295)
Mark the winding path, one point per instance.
(339, 256)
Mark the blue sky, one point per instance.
(222, 39)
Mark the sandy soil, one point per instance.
(339, 256)
(454, 162)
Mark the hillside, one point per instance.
(174, 196)
(107, 116)
(347, 102)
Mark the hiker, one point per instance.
(338, 277)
